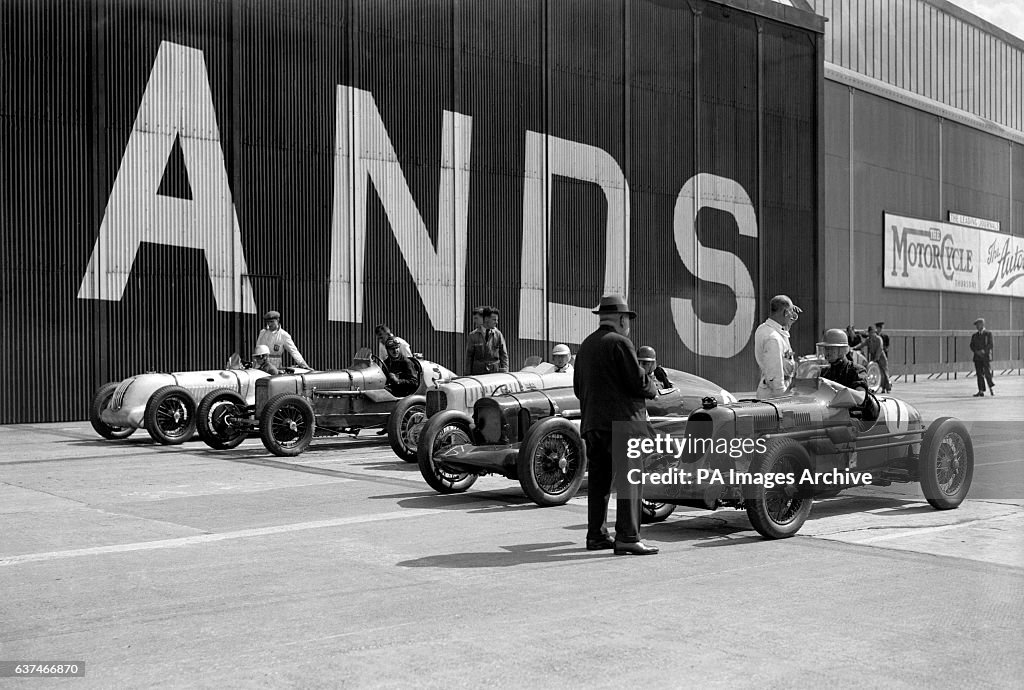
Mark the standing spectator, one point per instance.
(981, 346)
(884, 337)
(478, 319)
(853, 337)
(384, 334)
(278, 341)
(874, 349)
(611, 387)
(772, 349)
(560, 357)
(486, 352)
(478, 325)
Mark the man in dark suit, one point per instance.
(611, 387)
(981, 346)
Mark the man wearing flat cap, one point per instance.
(772, 350)
(981, 346)
(611, 387)
(278, 341)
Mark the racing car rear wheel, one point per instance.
(780, 511)
(443, 431)
(216, 417)
(287, 424)
(551, 462)
(946, 464)
(170, 416)
(99, 403)
(651, 511)
(405, 424)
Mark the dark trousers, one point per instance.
(984, 371)
(600, 471)
(883, 367)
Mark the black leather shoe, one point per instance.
(636, 548)
(990, 392)
(979, 394)
(600, 544)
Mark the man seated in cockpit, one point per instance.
(841, 368)
(403, 379)
(648, 359)
(843, 371)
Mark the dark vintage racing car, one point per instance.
(166, 404)
(411, 414)
(289, 410)
(817, 440)
(533, 436)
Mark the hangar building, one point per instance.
(174, 169)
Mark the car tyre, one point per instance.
(779, 512)
(441, 431)
(405, 425)
(551, 462)
(287, 424)
(170, 416)
(874, 376)
(652, 511)
(215, 416)
(99, 403)
(946, 463)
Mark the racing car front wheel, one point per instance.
(652, 511)
(443, 431)
(778, 510)
(170, 416)
(287, 425)
(405, 424)
(99, 403)
(216, 417)
(946, 463)
(551, 462)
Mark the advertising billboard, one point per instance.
(932, 255)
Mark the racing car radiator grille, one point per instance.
(436, 401)
(118, 399)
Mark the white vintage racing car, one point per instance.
(166, 404)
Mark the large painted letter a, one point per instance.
(177, 104)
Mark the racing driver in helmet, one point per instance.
(841, 368)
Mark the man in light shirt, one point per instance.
(279, 342)
(772, 349)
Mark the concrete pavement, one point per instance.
(187, 567)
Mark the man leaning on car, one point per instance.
(278, 341)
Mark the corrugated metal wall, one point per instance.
(932, 48)
(173, 169)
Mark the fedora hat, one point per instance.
(614, 304)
